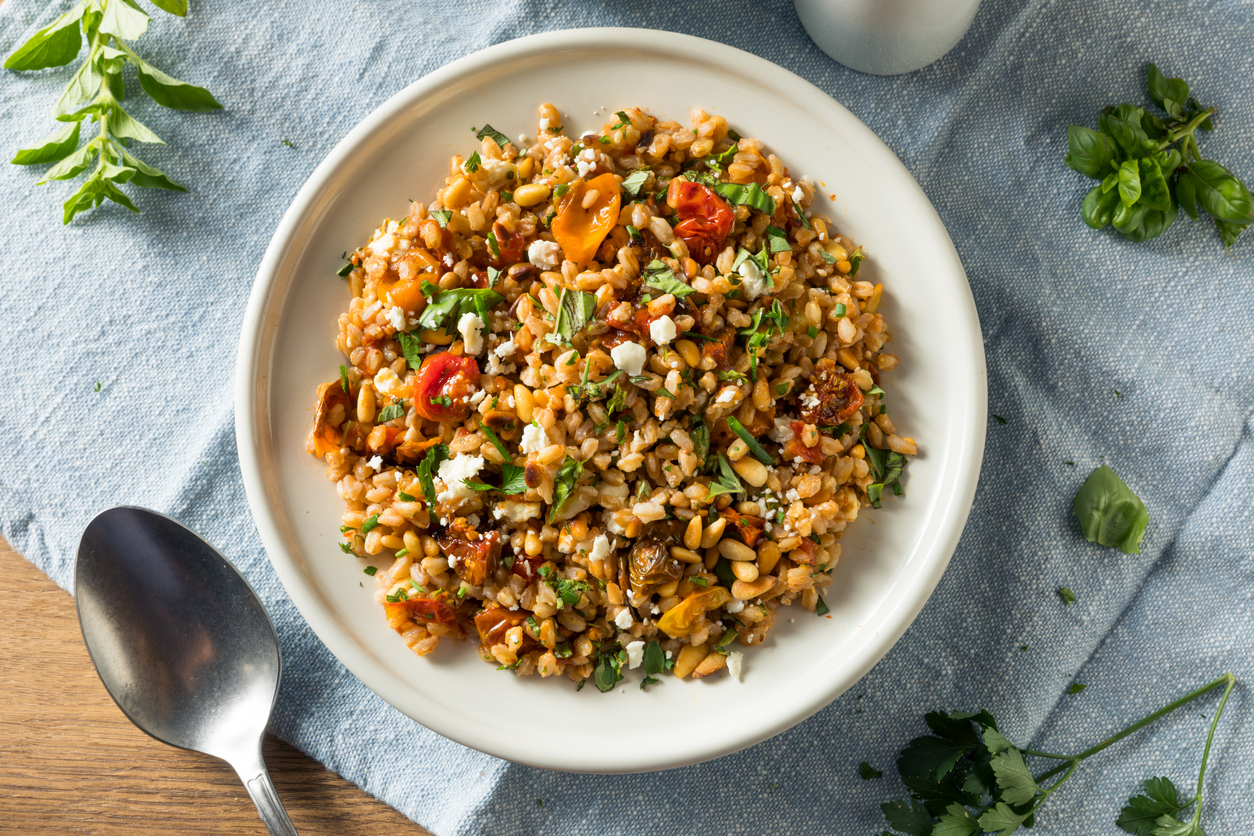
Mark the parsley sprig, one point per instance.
(97, 90)
(969, 778)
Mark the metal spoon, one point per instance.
(181, 642)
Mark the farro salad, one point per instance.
(609, 401)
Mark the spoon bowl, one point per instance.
(181, 642)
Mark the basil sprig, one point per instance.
(426, 470)
(574, 311)
(1150, 167)
(660, 277)
(97, 89)
(564, 484)
(453, 303)
(1110, 513)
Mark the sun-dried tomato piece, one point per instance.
(748, 526)
(494, 622)
(832, 396)
(511, 246)
(806, 552)
(401, 614)
(527, 568)
(798, 449)
(444, 386)
(719, 348)
(476, 555)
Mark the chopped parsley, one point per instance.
(371, 570)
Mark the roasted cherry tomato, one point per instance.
(401, 614)
(445, 383)
(747, 526)
(527, 568)
(650, 566)
(580, 231)
(813, 455)
(475, 555)
(704, 218)
(832, 397)
(324, 438)
(679, 620)
(720, 348)
(494, 622)
(510, 245)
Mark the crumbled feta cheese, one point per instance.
(453, 471)
(534, 439)
(734, 606)
(754, 284)
(782, 431)
(498, 172)
(387, 383)
(623, 619)
(471, 328)
(797, 194)
(662, 330)
(449, 261)
(600, 548)
(668, 654)
(546, 255)
(507, 348)
(635, 653)
(792, 495)
(735, 663)
(545, 124)
(396, 317)
(477, 397)
(611, 524)
(629, 357)
(376, 463)
(517, 512)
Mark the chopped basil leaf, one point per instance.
(728, 638)
(699, 432)
(561, 189)
(620, 432)
(345, 270)
(820, 607)
(563, 650)
(633, 233)
(494, 246)
(661, 277)
(564, 483)
(472, 165)
(391, 412)
(1067, 596)
(754, 448)
(494, 275)
(371, 524)
(828, 257)
(406, 497)
(346, 548)
(751, 195)
(371, 570)
(442, 217)
(855, 261)
(343, 380)
(778, 240)
(427, 468)
(634, 182)
(497, 137)
(722, 568)
(454, 303)
(574, 311)
(609, 667)
(411, 347)
(702, 582)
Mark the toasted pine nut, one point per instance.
(692, 534)
(688, 659)
(736, 550)
(712, 663)
(744, 570)
(768, 556)
(365, 403)
(685, 555)
(751, 470)
(531, 194)
(688, 350)
(743, 590)
(737, 451)
(713, 533)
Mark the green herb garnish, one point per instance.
(391, 412)
(497, 137)
(657, 275)
(343, 380)
(1110, 513)
(726, 481)
(634, 182)
(452, 304)
(574, 311)
(752, 443)
(472, 164)
(1067, 596)
(564, 483)
(427, 469)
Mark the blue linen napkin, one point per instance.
(1099, 351)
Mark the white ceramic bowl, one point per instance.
(892, 557)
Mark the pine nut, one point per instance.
(531, 194)
(743, 591)
(688, 658)
(752, 471)
(692, 534)
(768, 556)
(685, 555)
(744, 570)
(688, 350)
(713, 533)
(736, 550)
(713, 663)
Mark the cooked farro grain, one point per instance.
(609, 400)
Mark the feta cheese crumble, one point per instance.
(387, 383)
(734, 606)
(600, 548)
(534, 439)
(452, 472)
(754, 282)
(396, 317)
(376, 462)
(507, 348)
(735, 663)
(662, 330)
(635, 654)
(629, 357)
(471, 328)
(623, 619)
(546, 255)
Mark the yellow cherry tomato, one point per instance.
(579, 230)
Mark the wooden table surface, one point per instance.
(71, 763)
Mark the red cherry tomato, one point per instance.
(704, 218)
(418, 611)
(834, 396)
(813, 455)
(445, 383)
(511, 245)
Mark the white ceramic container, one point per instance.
(886, 37)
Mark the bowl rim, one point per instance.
(252, 412)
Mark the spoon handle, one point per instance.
(261, 790)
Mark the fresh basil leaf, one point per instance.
(55, 45)
(1099, 207)
(750, 195)
(657, 275)
(1186, 193)
(564, 483)
(855, 261)
(122, 124)
(71, 166)
(426, 470)
(1154, 223)
(1229, 232)
(1128, 219)
(752, 443)
(722, 568)
(472, 163)
(654, 658)
(170, 92)
(147, 177)
(124, 20)
(1222, 195)
(1129, 182)
(1123, 124)
(1163, 90)
(497, 137)
(1089, 152)
(344, 380)
(442, 216)
(609, 668)
(777, 240)
(1154, 192)
(52, 148)
(453, 303)
(1110, 513)
(699, 432)
(513, 479)
(411, 347)
(633, 183)
(1168, 161)
(574, 311)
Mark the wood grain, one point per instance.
(71, 763)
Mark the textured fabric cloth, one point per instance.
(1099, 351)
